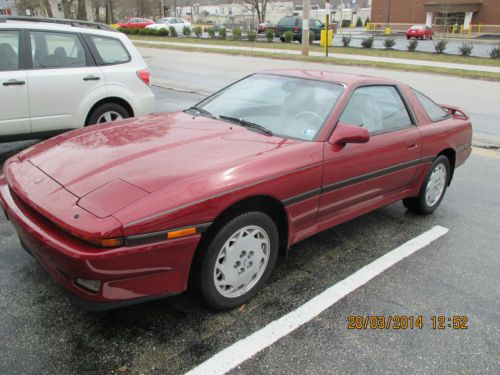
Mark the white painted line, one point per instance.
(246, 348)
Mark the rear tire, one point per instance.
(107, 112)
(238, 260)
(432, 190)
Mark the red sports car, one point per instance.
(130, 211)
(135, 23)
(263, 27)
(419, 32)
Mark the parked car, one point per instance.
(165, 23)
(135, 23)
(263, 27)
(71, 74)
(213, 193)
(419, 32)
(294, 24)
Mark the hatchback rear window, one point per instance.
(110, 50)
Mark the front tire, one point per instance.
(238, 260)
(107, 112)
(433, 189)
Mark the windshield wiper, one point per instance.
(201, 111)
(248, 124)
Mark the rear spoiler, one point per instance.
(457, 113)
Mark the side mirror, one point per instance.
(344, 133)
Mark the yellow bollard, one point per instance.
(461, 29)
(478, 28)
(368, 26)
(453, 29)
(387, 31)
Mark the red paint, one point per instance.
(422, 32)
(172, 170)
(136, 23)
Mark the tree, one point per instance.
(96, 6)
(109, 12)
(257, 6)
(81, 11)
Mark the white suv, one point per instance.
(57, 75)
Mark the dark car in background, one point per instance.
(294, 24)
(263, 27)
(419, 32)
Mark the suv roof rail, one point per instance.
(74, 23)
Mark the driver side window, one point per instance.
(376, 108)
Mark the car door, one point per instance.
(64, 82)
(358, 176)
(14, 114)
(179, 25)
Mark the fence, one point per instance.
(444, 29)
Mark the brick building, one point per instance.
(437, 12)
(7, 7)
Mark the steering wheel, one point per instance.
(313, 120)
(310, 114)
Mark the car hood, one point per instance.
(145, 154)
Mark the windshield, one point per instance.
(163, 20)
(286, 106)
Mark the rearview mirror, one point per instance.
(344, 133)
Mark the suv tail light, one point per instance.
(144, 76)
(295, 29)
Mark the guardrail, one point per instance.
(449, 29)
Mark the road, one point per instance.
(42, 331)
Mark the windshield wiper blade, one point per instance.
(248, 124)
(202, 112)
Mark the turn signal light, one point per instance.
(104, 242)
(181, 232)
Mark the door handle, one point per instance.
(92, 78)
(14, 82)
(412, 146)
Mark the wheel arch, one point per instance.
(112, 99)
(451, 155)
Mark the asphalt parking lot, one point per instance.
(43, 331)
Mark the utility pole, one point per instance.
(306, 6)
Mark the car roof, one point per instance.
(323, 75)
(49, 26)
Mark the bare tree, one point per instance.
(96, 7)
(257, 6)
(109, 12)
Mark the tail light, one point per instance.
(144, 76)
(295, 29)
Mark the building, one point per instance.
(440, 13)
(8, 8)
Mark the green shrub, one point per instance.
(412, 45)
(211, 32)
(359, 23)
(172, 31)
(311, 37)
(440, 46)
(367, 42)
(186, 31)
(270, 35)
(163, 32)
(143, 32)
(223, 33)
(237, 33)
(252, 36)
(346, 40)
(346, 23)
(124, 30)
(288, 35)
(389, 43)
(198, 31)
(134, 30)
(367, 20)
(466, 48)
(495, 53)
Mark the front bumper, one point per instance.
(128, 274)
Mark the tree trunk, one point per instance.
(109, 12)
(81, 12)
(97, 15)
(65, 6)
(48, 8)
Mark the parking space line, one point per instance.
(232, 356)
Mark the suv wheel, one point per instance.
(107, 113)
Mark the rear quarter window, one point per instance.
(433, 110)
(110, 50)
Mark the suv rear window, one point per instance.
(110, 50)
(287, 21)
(9, 50)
